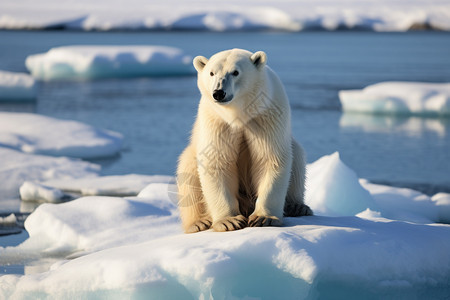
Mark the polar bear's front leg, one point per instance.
(217, 169)
(220, 188)
(272, 188)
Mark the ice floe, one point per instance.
(289, 15)
(38, 134)
(17, 87)
(91, 62)
(134, 247)
(115, 185)
(17, 167)
(399, 98)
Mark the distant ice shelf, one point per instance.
(415, 98)
(17, 87)
(92, 62)
(286, 15)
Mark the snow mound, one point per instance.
(17, 87)
(90, 62)
(17, 167)
(328, 196)
(39, 134)
(287, 15)
(399, 98)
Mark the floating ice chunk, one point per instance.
(442, 201)
(8, 220)
(17, 167)
(90, 62)
(17, 86)
(32, 191)
(32, 133)
(399, 98)
(332, 188)
(116, 185)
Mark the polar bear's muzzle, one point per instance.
(220, 96)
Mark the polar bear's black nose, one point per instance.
(219, 95)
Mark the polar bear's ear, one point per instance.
(259, 59)
(200, 62)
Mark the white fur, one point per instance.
(241, 150)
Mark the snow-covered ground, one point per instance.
(399, 98)
(133, 247)
(90, 62)
(17, 87)
(289, 15)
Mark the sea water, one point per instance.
(156, 114)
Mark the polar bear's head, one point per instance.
(229, 74)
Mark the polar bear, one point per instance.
(242, 166)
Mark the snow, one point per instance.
(37, 134)
(442, 201)
(133, 247)
(399, 98)
(116, 185)
(27, 144)
(32, 191)
(286, 15)
(8, 220)
(17, 167)
(91, 62)
(17, 86)
(325, 196)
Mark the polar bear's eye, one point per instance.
(211, 73)
(235, 73)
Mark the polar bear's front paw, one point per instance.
(230, 223)
(262, 221)
(199, 225)
(297, 210)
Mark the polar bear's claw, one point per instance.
(297, 210)
(230, 223)
(262, 221)
(199, 225)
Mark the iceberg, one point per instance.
(17, 87)
(288, 15)
(399, 98)
(92, 62)
(37, 134)
(133, 247)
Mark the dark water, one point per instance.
(156, 114)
